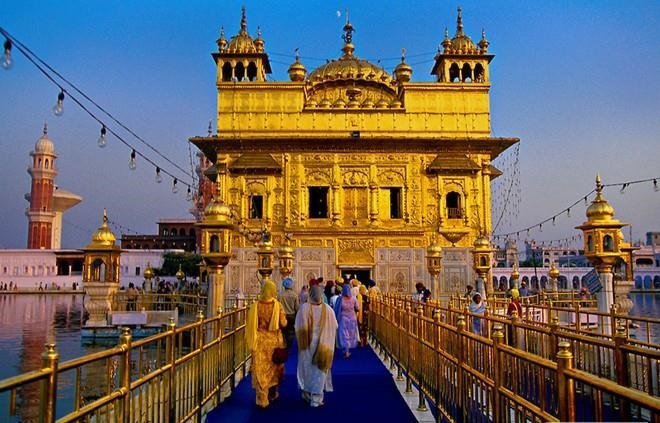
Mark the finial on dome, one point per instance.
(483, 43)
(459, 21)
(599, 186)
(222, 41)
(348, 48)
(295, 52)
(105, 216)
(210, 130)
(403, 54)
(243, 21)
(45, 128)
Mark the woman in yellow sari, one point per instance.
(264, 320)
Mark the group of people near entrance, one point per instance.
(322, 318)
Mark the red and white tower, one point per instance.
(47, 201)
(40, 214)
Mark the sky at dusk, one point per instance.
(574, 80)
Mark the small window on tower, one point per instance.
(256, 207)
(137, 271)
(318, 202)
(395, 203)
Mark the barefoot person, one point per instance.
(316, 328)
(263, 334)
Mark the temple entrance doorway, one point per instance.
(363, 275)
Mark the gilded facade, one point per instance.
(360, 167)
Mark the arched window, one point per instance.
(239, 72)
(535, 282)
(479, 75)
(590, 243)
(454, 73)
(98, 270)
(46, 164)
(608, 243)
(165, 232)
(252, 72)
(226, 72)
(544, 281)
(525, 279)
(467, 73)
(182, 232)
(453, 204)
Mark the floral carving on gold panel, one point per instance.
(317, 176)
(355, 251)
(356, 178)
(392, 177)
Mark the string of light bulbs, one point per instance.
(48, 71)
(567, 210)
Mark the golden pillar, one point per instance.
(482, 261)
(602, 247)
(216, 228)
(434, 265)
(100, 274)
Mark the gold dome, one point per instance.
(554, 272)
(515, 274)
(461, 43)
(297, 70)
(481, 243)
(403, 71)
(242, 42)
(331, 78)
(222, 41)
(148, 272)
(103, 237)
(599, 209)
(217, 211)
(180, 275)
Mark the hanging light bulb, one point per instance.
(568, 212)
(189, 195)
(58, 108)
(159, 177)
(623, 188)
(132, 164)
(175, 188)
(7, 61)
(103, 140)
(655, 185)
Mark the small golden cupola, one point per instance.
(297, 70)
(103, 237)
(241, 59)
(350, 82)
(461, 60)
(403, 71)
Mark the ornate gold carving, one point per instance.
(317, 176)
(355, 251)
(391, 177)
(356, 178)
(310, 255)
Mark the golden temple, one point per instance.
(360, 168)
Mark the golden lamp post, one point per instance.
(481, 254)
(515, 277)
(148, 276)
(285, 258)
(434, 265)
(602, 247)
(265, 255)
(553, 275)
(216, 228)
(180, 275)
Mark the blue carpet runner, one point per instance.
(364, 391)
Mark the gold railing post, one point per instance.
(200, 362)
(171, 358)
(514, 329)
(437, 333)
(498, 339)
(578, 320)
(409, 356)
(125, 375)
(460, 328)
(621, 367)
(402, 336)
(421, 406)
(613, 309)
(48, 390)
(566, 385)
(552, 339)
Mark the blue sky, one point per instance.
(574, 80)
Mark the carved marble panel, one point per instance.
(355, 251)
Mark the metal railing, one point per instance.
(187, 304)
(174, 376)
(512, 371)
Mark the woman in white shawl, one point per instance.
(316, 328)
